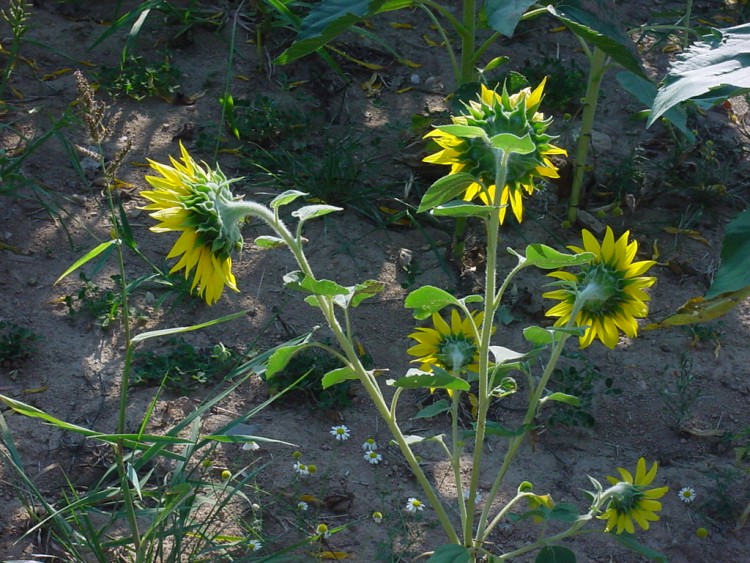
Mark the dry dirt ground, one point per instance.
(75, 372)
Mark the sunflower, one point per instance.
(630, 499)
(452, 347)
(607, 293)
(197, 201)
(497, 113)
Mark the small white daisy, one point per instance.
(413, 505)
(301, 469)
(254, 545)
(322, 531)
(251, 446)
(370, 445)
(373, 457)
(341, 433)
(377, 517)
(686, 494)
(302, 505)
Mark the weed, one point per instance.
(580, 381)
(16, 344)
(681, 395)
(567, 82)
(16, 17)
(263, 122)
(181, 367)
(138, 79)
(94, 302)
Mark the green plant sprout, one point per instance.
(17, 344)
(606, 296)
(15, 15)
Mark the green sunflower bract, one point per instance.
(497, 113)
(608, 292)
(196, 201)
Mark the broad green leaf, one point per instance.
(450, 553)
(466, 131)
(547, 258)
(357, 293)
(596, 26)
(337, 376)
(497, 429)
(503, 355)
(555, 554)
(460, 208)
(313, 211)
(645, 92)
(566, 512)
(434, 409)
(179, 329)
(93, 253)
(504, 15)
(538, 336)
(330, 18)
(701, 310)
(508, 142)
(285, 198)
(629, 541)
(734, 272)
(428, 300)
(423, 380)
(267, 241)
(445, 189)
(711, 70)
(300, 282)
(507, 386)
(563, 398)
(280, 358)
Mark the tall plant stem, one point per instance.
(468, 39)
(366, 378)
(598, 63)
(493, 234)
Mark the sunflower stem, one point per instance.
(368, 381)
(502, 158)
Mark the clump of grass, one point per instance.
(681, 394)
(139, 78)
(181, 367)
(95, 303)
(17, 344)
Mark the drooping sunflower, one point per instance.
(452, 347)
(193, 199)
(499, 113)
(608, 291)
(631, 500)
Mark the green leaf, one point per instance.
(330, 18)
(450, 553)
(459, 208)
(179, 329)
(508, 142)
(629, 541)
(555, 554)
(357, 293)
(312, 211)
(93, 253)
(280, 358)
(595, 26)
(465, 131)
(285, 198)
(538, 336)
(424, 380)
(710, 71)
(645, 92)
(337, 376)
(547, 258)
(504, 15)
(503, 355)
(300, 282)
(497, 429)
(566, 512)
(507, 386)
(734, 272)
(445, 189)
(428, 300)
(563, 398)
(434, 409)
(267, 241)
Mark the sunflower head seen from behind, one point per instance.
(496, 113)
(607, 295)
(196, 201)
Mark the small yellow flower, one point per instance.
(497, 113)
(631, 501)
(226, 475)
(197, 201)
(452, 347)
(609, 290)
